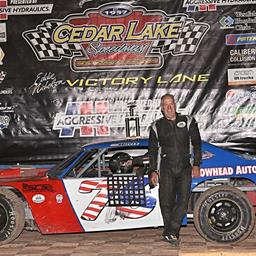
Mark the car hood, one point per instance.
(24, 172)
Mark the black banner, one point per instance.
(68, 71)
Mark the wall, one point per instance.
(69, 69)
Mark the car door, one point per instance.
(103, 200)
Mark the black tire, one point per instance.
(12, 216)
(224, 214)
(192, 201)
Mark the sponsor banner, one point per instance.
(235, 96)
(211, 5)
(3, 35)
(4, 122)
(7, 91)
(8, 10)
(240, 39)
(70, 70)
(4, 108)
(247, 55)
(45, 82)
(2, 76)
(102, 118)
(239, 21)
(241, 76)
(23, 1)
(2, 54)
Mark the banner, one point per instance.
(69, 72)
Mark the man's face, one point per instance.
(168, 108)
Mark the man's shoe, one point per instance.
(172, 239)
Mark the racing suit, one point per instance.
(169, 154)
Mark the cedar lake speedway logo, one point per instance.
(116, 37)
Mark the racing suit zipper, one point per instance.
(175, 147)
(173, 126)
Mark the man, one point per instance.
(170, 141)
(122, 162)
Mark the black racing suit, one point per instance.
(169, 154)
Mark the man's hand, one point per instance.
(153, 179)
(195, 172)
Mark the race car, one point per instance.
(105, 186)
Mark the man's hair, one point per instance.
(167, 95)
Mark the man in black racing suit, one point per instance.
(170, 140)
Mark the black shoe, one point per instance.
(172, 239)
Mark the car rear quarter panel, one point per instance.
(49, 204)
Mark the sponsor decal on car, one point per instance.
(59, 198)
(207, 155)
(226, 171)
(37, 187)
(38, 198)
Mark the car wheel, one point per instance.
(12, 216)
(223, 214)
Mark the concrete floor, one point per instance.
(142, 242)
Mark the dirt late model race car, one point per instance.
(104, 186)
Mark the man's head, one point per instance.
(168, 106)
(120, 162)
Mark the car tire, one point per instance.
(224, 214)
(12, 216)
